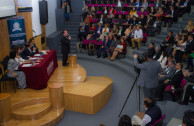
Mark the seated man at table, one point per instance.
(34, 48)
(138, 37)
(22, 54)
(151, 115)
(28, 50)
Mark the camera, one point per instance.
(140, 60)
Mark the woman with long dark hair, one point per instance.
(12, 71)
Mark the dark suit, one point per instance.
(83, 34)
(96, 32)
(28, 52)
(172, 19)
(34, 46)
(105, 47)
(103, 20)
(170, 42)
(151, 51)
(23, 56)
(189, 48)
(150, 22)
(129, 20)
(175, 81)
(65, 48)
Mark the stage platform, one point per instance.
(69, 89)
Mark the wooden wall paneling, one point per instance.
(4, 39)
(28, 24)
(38, 42)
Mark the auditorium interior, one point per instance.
(96, 63)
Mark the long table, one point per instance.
(38, 75)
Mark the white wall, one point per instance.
(36, 26)
(51, 26)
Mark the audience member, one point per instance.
(85, 12)
(138, 37)
(66, 8)
(105, 46)
(125, 120)
(190, 50)
(12, 70)
(174, 81)
(82, 31)
(112, 12)
(151, 49)
(121, 48)
(105, 32)
(168, 71)
(152, 114)
(163, 59)
(188, 118)
(113, 45)
(157, 53)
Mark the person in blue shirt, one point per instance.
(138, 5)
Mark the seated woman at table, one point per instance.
(18, 58)
(121, 48)
(12, 68)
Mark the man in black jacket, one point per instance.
(28, 51)
(65, 46)
(188, 50)
(151, 49)
(171, 17)
(168, 42)
(174, 81)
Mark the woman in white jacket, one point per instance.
(163, 59)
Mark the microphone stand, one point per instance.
(129, 95)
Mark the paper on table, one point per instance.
(34, 58)
(27, 65)
(37, 55)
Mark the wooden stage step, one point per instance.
(31, 109)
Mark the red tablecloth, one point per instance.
(37, 76)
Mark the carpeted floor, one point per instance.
(109, 114)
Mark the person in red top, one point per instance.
(92, 29)
(112, 12)
(121, 48)
(88, 19)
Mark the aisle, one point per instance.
(73, 25)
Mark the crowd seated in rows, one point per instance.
(132, 20)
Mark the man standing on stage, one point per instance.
(65, 46)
